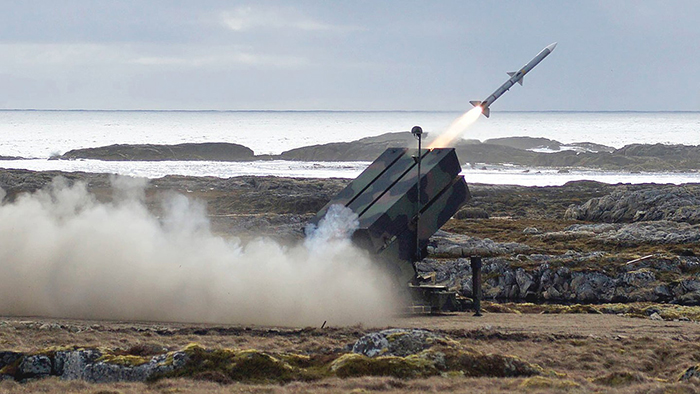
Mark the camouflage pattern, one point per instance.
(363, 181)
(385, 197)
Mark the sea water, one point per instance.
(38, 135)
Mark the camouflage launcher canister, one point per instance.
(385, 198)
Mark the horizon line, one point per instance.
(336, 110)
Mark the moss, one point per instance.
(125, 360)
(253, 366)
(52, 350)
(244, 366)
(355, 365)
(493, 307)
(579, 308)
(146, 349)
(476, 364)
(394, 336)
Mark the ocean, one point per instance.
(38, 135)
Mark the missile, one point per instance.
(515, 77)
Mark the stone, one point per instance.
(592, 287)
(85, 365)
(692, 372)
(395, 342)
(9, 358)
(656, 316)
(525, 282)
(34, 366)
(666, 203)
(70, 365)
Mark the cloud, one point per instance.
(229, 58)
(20, 57)
(33, 54)
(246, 18)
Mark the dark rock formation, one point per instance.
(551, 279)
(680, 204)
(395, 342)
(690, 373)
(365, 149)
(590, 147)
(510, 150)
(213, 151)
(662, 151)
(92, 365)
(525, 143)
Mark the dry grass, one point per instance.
(580, 352)
(358, 385)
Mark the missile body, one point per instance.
(515, 77)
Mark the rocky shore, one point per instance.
(521, 151)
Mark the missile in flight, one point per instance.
(515, 77)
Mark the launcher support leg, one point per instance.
(476, 284)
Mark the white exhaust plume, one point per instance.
(65, 254)
(456, 130)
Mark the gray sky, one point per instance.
(348, 55)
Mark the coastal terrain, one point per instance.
(587, 286)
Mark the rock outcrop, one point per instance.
(549, 278)
(92, 365)
(395, 342)
(406, 354)
(522, 151)
(416, 353)
(211, 151)
(679, 204)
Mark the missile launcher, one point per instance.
(393, 218)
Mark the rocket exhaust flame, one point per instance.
(456, 130)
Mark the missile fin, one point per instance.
(475, 103)
(520, 81)
(511, 73)
(486, 112)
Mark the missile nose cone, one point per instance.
(551, 46)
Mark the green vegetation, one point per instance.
(253, 366)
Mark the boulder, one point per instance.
(395, 342)
(37, 366)
(692, 372)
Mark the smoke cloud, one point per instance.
(65, 254)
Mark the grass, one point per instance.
(668, 312)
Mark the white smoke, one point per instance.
(65, 254)
(337, 225)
